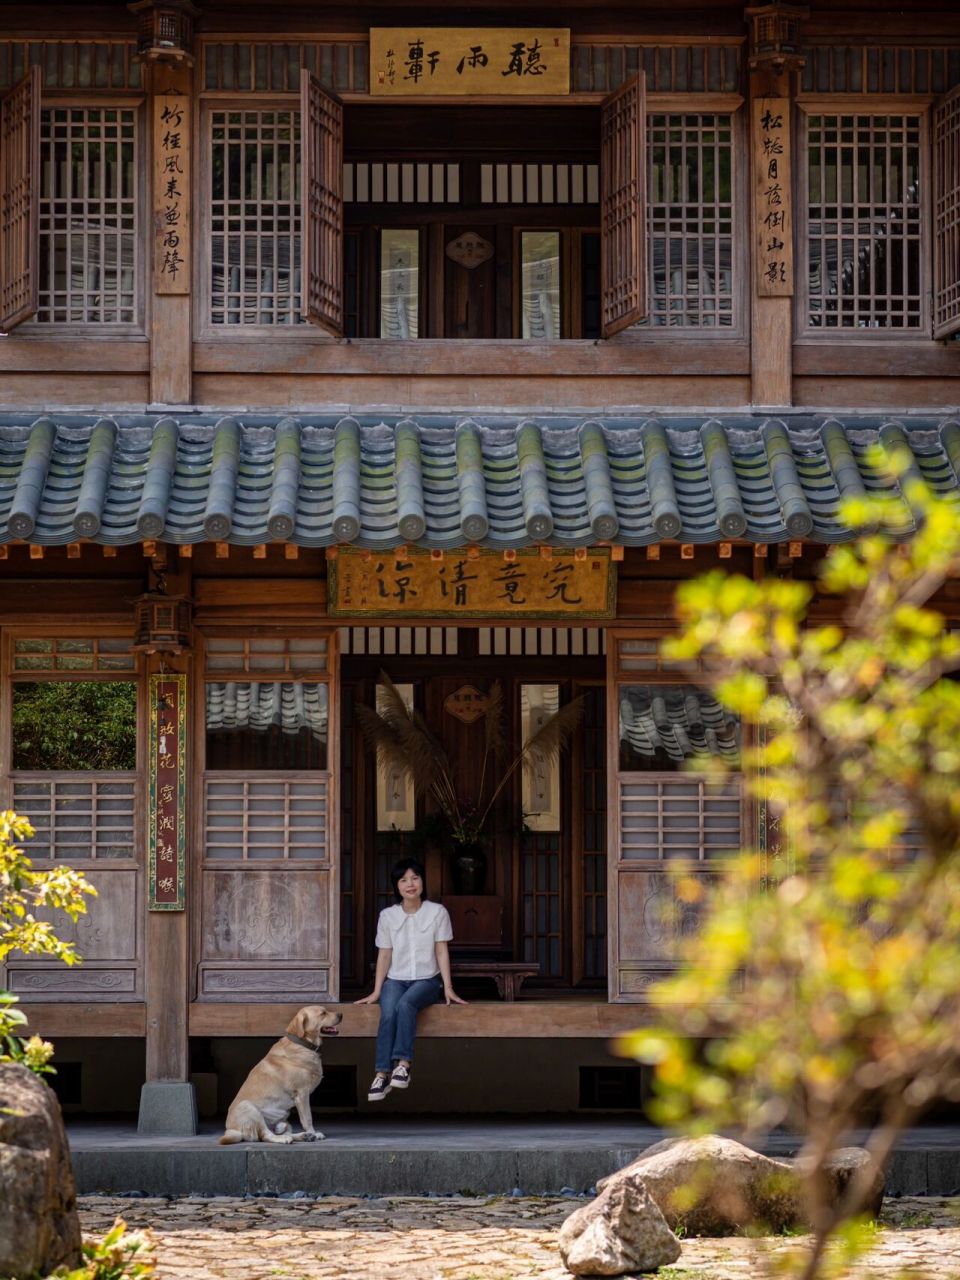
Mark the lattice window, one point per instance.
(638, 654)
(73, 64)
(76, 818)
(89, 216)
(402, 182)
(864, 243)
(690, 221)
(541, 903)
(251, 819)
(946, 216)
(590, 771)
(872, 68)
(712, 68)
(275, 67)
(276, 655)
(59, 653)
(669, 817)
(541, 642)
(255, 247)
(539, 184)
(389, 641)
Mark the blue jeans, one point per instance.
(400, 1002)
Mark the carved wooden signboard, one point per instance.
(477, 584)
(425, 62)
(171, 182)
(167, 780)
(773, 202)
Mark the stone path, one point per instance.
(461, 1238)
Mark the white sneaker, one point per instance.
(380, 1087)
(400, 1077)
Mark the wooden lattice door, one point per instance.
(623, 169)
(321, 131)
(19, 200)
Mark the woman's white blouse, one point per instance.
(413, 935)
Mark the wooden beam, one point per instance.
(616, 553)
(36, 553)
(260, 551)
(99, 1020)
(290, 551)
(223, 550)
(186, 551)
(686, 551)
(725, 550)
(73, 550)
(3, 553)
(523, 1019)
(796, 550)
(760, 550)
(109, 553)
(653, 551)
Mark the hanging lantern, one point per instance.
(166, 30)
(775, 42)
(163, 623)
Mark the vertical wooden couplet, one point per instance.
(167, 793)
(623, 171)
(773, 197)
(172, 126)
(19, 200)
(321, 230)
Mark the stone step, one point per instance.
(417, 1157)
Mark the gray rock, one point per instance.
(621, 1231)
(39, 1227)
(714, 1186)
(842, 1166)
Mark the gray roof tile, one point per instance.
(442, 482)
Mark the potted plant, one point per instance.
(403, 741)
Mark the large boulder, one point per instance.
(39, 1227)
(842, 1166)
(714, 1186)
(621, 1231)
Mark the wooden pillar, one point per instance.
(772, 284)
(167, 1105)
(171, 115)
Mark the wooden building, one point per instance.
(339, 339)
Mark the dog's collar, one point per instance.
(314, 1048)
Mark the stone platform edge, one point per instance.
(332, 1168)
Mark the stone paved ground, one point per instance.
(460, 1238)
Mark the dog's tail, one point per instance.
(231, 1135)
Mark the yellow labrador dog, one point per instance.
(285, 1078)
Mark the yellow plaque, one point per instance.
(429, 62)
(415, 585)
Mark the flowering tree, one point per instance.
(822, 989)
(23, 892)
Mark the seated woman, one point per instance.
(413, 971)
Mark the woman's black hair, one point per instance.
(400, 869)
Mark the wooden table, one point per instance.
(507, 974)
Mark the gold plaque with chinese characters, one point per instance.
(482, 584)
(430, 62)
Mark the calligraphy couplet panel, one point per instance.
(171, 182)
(427, 62)
(485, 585)
(773, 197)
(167, 786)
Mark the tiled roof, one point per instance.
(443, 482)
(680, 722)
(267, 704)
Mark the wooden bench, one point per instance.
(507, 974)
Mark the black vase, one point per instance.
(469, 868)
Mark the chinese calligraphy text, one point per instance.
(772, 197)
(167, 779)
(171, 184)
(481, 585)
(419, 62)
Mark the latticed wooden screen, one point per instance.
(76, 817)
(865, 224)
(267, 816)
(666, 817)
(255, 217)
(19, 178)
(322, 216)
(690, 220)
(946, 216)
(623, 172)
(89, 242)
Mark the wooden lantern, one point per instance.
(166, 30)
(163, 623)
(775, 42)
